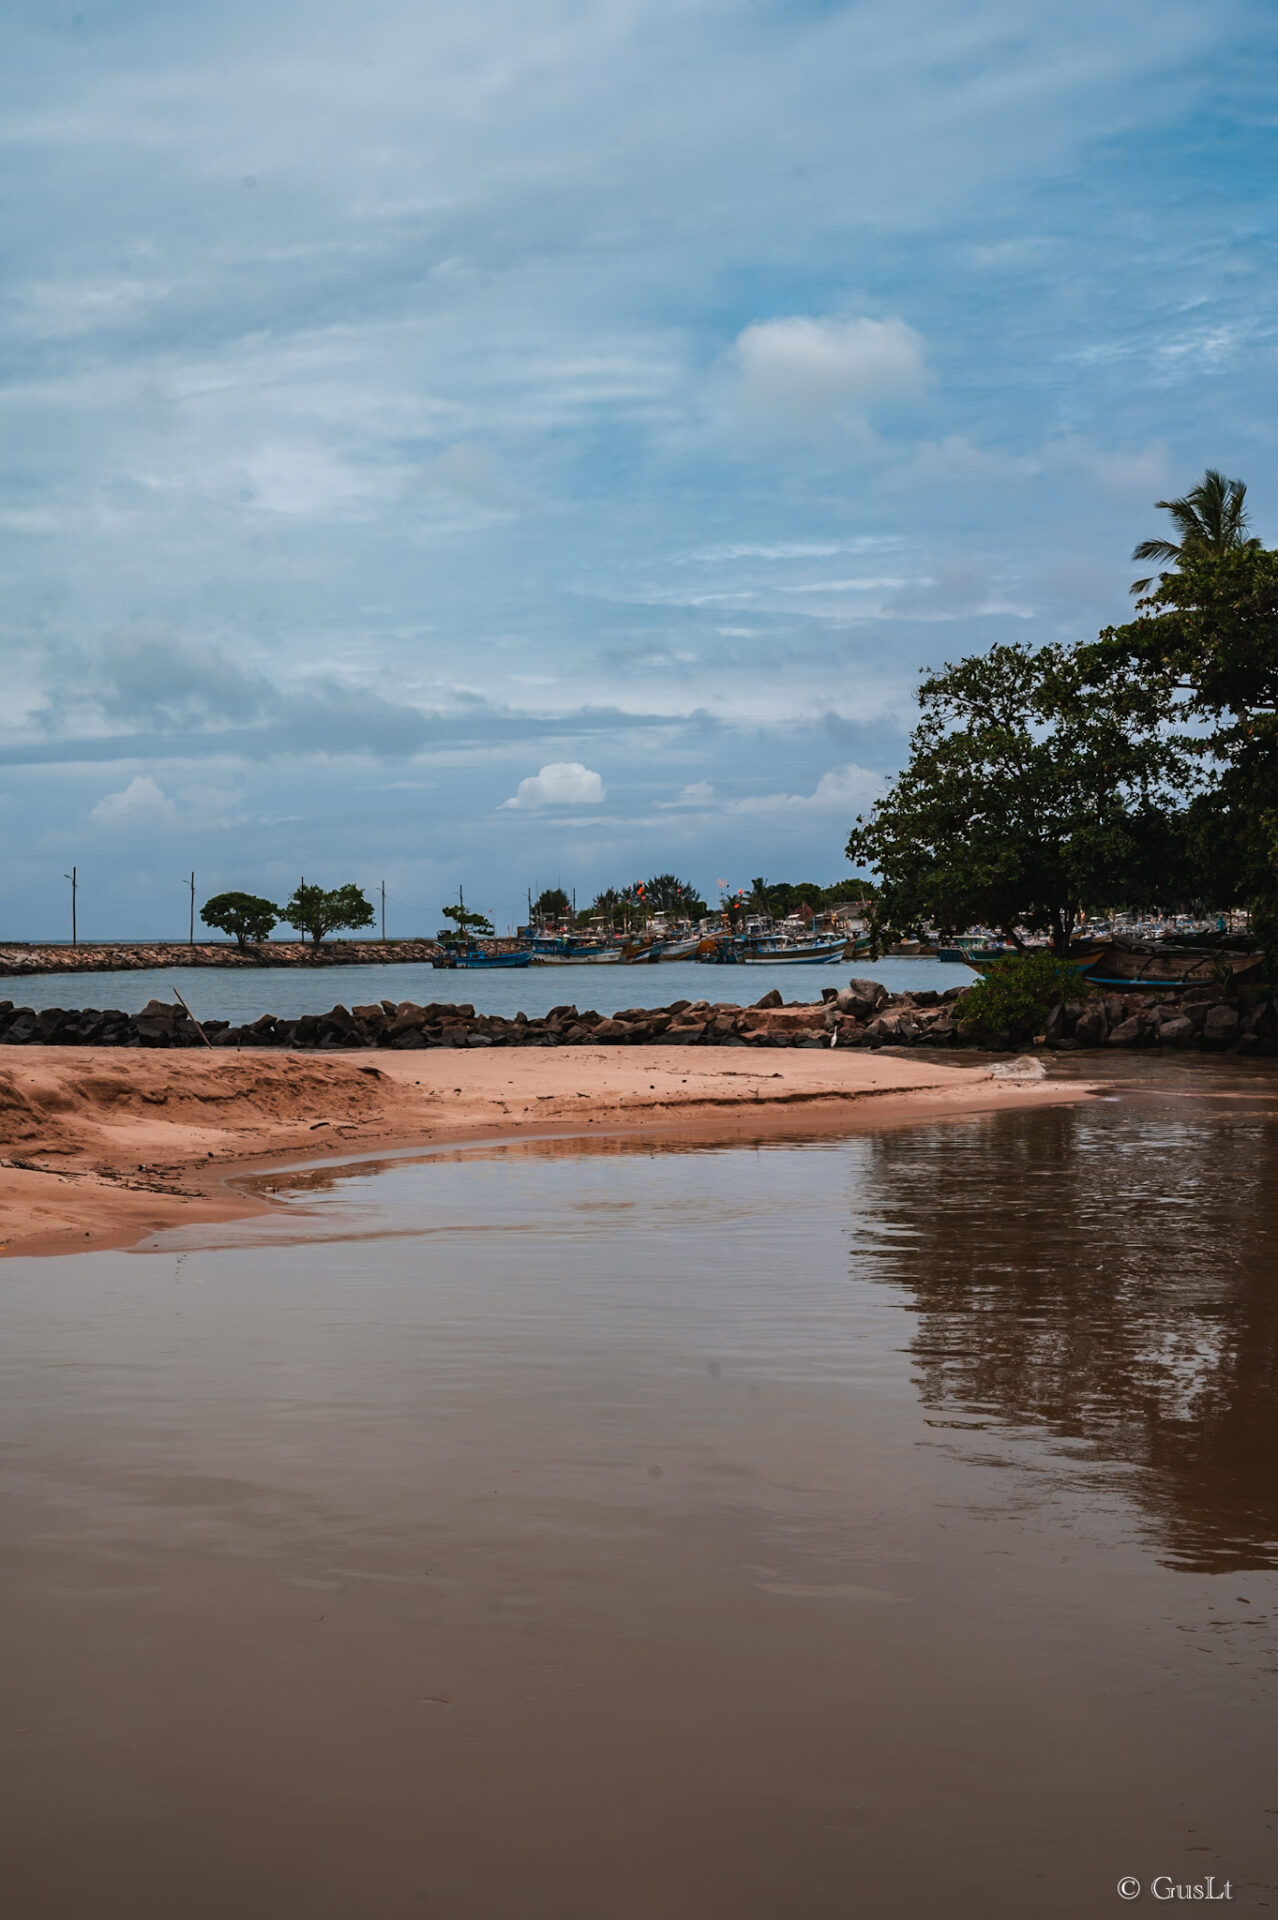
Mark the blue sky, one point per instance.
(519, 444)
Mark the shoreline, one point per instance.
(102, 1149)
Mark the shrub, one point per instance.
(1017, 994)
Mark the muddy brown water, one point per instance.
(876, 1526)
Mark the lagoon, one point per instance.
(222, 993)
(881, 1524)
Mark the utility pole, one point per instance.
(192, 938)
(75, 941)
(383, 913)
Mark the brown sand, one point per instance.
(100, 1148)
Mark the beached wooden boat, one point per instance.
(1132, 965)
(983, 960)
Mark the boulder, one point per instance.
(862, 998)
(1127, 1033)
(1092, 1026)
(772, 999)
(1220, 1026)
(155, 1024)
(1176, 1032)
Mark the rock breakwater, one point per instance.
(862, 1014)
(133, 958)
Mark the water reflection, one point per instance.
(1104, 1275)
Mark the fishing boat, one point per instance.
(1083, 955)
(575, 956)
(681, 949)
(477, 957)
(966, 952)
(548, 949)
(820, 950)
(1130, 966)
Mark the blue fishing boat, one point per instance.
(477, 957)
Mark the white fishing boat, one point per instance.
(577, 957)
(818, 950)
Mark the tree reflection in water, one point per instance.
(1105, 1275)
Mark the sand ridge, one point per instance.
(100, 1147)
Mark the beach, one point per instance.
(101, 1147)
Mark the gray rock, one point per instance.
(1127, 1033)
(1177, 1032)
(1220, 1026)
(862, 998)
(1092, 1026)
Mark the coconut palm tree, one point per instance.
(1210, 519)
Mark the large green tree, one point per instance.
(1029, 794)
(246, 915)
(1205, 644)
(317, 910)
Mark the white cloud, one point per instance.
(699, 794)
(141, 802)
(802, 375)
(564, 783)
(843, 788)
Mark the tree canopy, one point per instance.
(666, 893)
(552, 904)
(466, 924)
(316, 911)
(1028, 794)
(246, 915)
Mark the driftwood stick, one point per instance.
(191, 1017)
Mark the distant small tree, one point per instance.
(465, 924)
(553, 904)
(665, 893)
(317, 910)
(246, 915)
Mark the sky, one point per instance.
(536, 444)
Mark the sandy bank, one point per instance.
(101, 1147)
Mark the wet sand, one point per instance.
(100, 1147)
(877, 1526)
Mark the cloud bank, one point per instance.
(401, 399)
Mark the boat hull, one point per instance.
(611, 958)
(822, 957)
